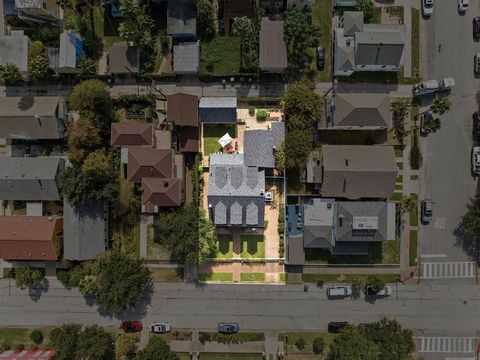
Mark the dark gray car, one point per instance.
(320, 58)
(228, 328)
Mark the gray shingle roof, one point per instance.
(14, 50)
(295, 252)
(359, 109)
(252, 213)
(186, 58)
(220, 213)
(380, 45)
(85, 230)
(352, 22)
(236, 211)
(218, 110)
(69, 43)
(273, 48)
(220, 208)
(259, 145)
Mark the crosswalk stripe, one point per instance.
(441, 344)
(439, 270)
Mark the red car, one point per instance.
(130, 326)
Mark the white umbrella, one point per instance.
(225, 140)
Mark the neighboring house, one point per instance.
(85, 232)
(15, 49)
(236, 8)
(357, 171)
(71, 49)
(32, 118)
(123, 59)
(145, 162)
(186, 58)
(30, 178)
(218, 110)
(360, 111)
(366, 47)
(259, 145)
(273, 49)
(182, 110)
(34, 238)
(27, 354)
(41, 11)
(236, 192)
(182, 18)
(124, 134)
(158, 192)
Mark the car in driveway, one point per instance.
(228, 328)
(427, 7)
(476, 27)
(131, 326)
(320, 58)
(160, 327)
(335, 327)
(462, 5)
(386, 291)
(426, 208)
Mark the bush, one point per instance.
(300, 343)
(318, 345)
(262, 115)
(251, 111)
(415, 157)
(37, 336)
(320, 283)
(76, 275)
(19, 347)
(6, 345)
(64, 277)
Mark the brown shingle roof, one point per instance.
(359, 109)
(358, 171)
(189, 136)
(147, 163)
(182, 109)
(160, 192)
(27, 238)
(132, 134)
(273, 49)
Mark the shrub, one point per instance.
(300, 343)
(251, 111)
(320, 283)
(19, 347)
(318, 345)
(262, 115)
(415, 157)
(76, 275)
(64, 277)
(6, 345)
(37, 336)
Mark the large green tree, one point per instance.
(468, 231)
(38, 67)
(300, 35)
(10, 74)
(206, 16)
(86, 68)
(301, 100)
(137, 26)
(187, 234)
(352, 344)
(376, 282)
(157, 349)
(95, 343)
(65, 339)
(26, 277)
(83, 138)
(298, 145)
(121, 280)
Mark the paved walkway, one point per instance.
(238, 267)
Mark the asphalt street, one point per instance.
(446, 176)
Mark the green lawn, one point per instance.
(212, 356)
(167, 275)
(397, 196)
(383, 77)
(415, 43)
(252, 276)
(290, 338)
(283, 276)
(22, 336)
(220, 56)
(322, 19)
(414, 217)
(413, 248)
(225, 247)
(211, 135)
(215, 276)
(391, 252)
(313, 278)
(376, 18)
(252, 246)
(400, 165)
(239, 337)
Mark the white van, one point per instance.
(339, 291)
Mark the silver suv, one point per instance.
(427, 210)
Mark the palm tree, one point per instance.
(86, 68)
(430, 124)
(408, 204)
(440, 105)
(10, 74)
(400, 107)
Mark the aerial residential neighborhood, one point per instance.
(239, 179)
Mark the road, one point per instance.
(446, 177)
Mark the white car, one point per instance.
(160, 328)
(427, 7)
(462, 5)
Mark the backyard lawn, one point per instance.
(225, 247)
(252, 246)
(211, 135)
(215, 276)
(322, 19)
(220, 56)
(252, 276)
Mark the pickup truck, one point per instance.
(433, 86)
(476, 160)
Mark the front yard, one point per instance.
(224, 247)
(290, 339)
(215, 276)
(252, 246)
(211, 135)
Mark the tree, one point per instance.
(88, 285)
(95, 343)
(300, 35)
(121, 280)
(352, 344)
(86, 68)
(245, 29)
(36, 336)
(38, 67)
(83, 138)
(300, 343)
(408, 204)
(399, 109)
(126, 345)
(157, 349)
(358, 286)
(301, 100)
(26, 277)
(298, 145)
(470, 224)
(10, 74)
(367, 7)
(37, 48)
(65, 339)
(97, 168)
(440, 105)
(138, 24)
(376, 282)
(206, 15)
(187, 234)
(318, 345)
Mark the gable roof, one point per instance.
(186, 58)
(273, 49)
(359, 109)
(14, 49)
(27, 237)
(218, 110)
(259, 145)
(29, 178)
(145, 162)
(189, 139)
(358, 171)
(182, 109)
(182, 17)
(132, 134)
(318, 224)
(352, 22)
(161, 192)
(85, 230)
(124, 59)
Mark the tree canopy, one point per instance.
(26, 277)
(38, 67)
(83, 137)
(300, 100)
(367, 7)
(352, 344)
(138, 23)
(206, 15)
(157, 349)
(298, 145)
(440, 105)
(10, 74)
(300, 35)
(65, 339)
(95, 343)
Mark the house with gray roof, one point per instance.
(186, 58)
(30, 179)
(14, 49)
(260, 145)
(32, 118)
(272, 46)
(218, 110)
(236, 192)
(85, 233)
(71, 49)
(367, 47)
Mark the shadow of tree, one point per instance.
(26, 102)
(464, 241)
(35, 291)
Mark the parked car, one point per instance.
(427, 7)
(339, 291)
(426, 115)
(476, 27)
(335, 327)
(227, 328)
(320, 58)
(462, 5)
(427, 211)
(386, 291)
(476, 63)
(476, 126)
(160, 328)
(475, 160)
(130, 326)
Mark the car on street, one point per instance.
(476, 27)
(476, 63)
(427, 7)
(386, 291)
(476, 126)
(339, 291)
(131, 326)
(475, 160)
(320, 58)
(462, 5)
(228, 328)
(335, 327)
(160, 328)
(426, 211)
(424, 117)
